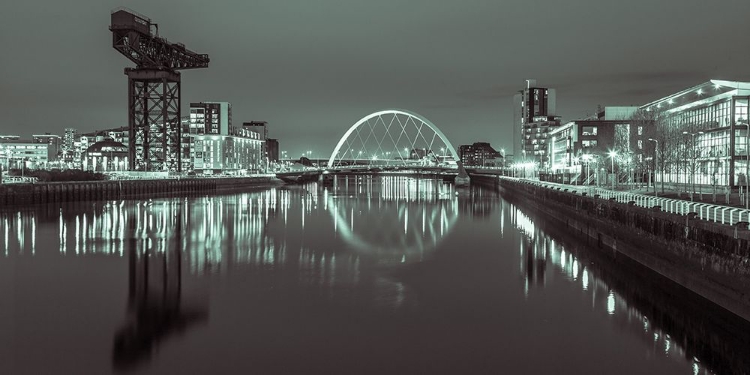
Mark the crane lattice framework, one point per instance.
(155, 132)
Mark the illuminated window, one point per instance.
(589, 130)
(640, 130)
(741, 111)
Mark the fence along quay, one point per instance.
(58, 192)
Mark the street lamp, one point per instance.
(502, 152)
(613, 155)
(656, 164)
(692, 169)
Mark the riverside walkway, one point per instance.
(714, 212)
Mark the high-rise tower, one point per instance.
(533, 115)
(211, 118)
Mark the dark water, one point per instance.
(385, 275)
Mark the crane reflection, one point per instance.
(155, 307)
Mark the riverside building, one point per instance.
(20, 154)
(106, 155)
(236, 154)
(533, 118)
(212, 145)
(608, 145)
(705, 134)
(480, 154)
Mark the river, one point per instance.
(373, 275)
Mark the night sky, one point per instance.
(312, 68)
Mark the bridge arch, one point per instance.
(418, 121)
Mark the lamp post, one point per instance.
(612, 156)
(692, 169)
(502, 152)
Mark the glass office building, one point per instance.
(705, 134)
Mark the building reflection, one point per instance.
(324, 235)
(155, 307)
(675, 325)
(478, 202)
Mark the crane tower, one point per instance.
(155, 132)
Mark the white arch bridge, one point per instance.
(395, 138)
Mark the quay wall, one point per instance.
(59, 192)
(710, 259)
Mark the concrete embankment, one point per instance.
(710, 259)
(58, 192)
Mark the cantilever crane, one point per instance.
(155, 133)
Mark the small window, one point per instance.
(640, 130)
(588, 143)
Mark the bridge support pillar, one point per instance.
(462, 181)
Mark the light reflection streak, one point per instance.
(532, 260)
(78, 235)
(611, 303)
(33, 236)
(585, 279)
(20, 232)
(6, 224)
(105, 227)
(61, 231)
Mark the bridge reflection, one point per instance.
(673, 322)
(396, 224)
(402, 217)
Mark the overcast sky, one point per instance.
(312, 68)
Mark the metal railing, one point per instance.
(704, 211)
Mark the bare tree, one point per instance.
(665, 152)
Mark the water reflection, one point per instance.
(389, 259)
(400, 220)
(675, 325)
(400, 223)
(155, 308)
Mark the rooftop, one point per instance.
(699, 94)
